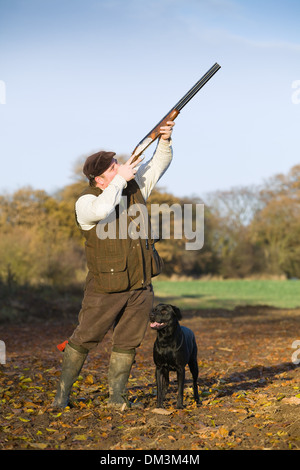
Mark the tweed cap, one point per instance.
(97, 164)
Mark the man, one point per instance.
(118, 291)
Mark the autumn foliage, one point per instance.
(248, 232)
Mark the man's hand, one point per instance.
(166, 131)
(128, 170)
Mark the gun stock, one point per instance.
(173, 113)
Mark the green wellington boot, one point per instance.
(72, 363)
(118, 375)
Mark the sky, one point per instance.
(78, 76)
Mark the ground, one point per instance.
(249, 387)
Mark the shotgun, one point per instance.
(173, 113)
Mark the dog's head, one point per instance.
(164, 315)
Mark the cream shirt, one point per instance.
(91, 209)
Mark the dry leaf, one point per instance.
(38, 445)
(80, 437)
(161, 411)
(291, 401)
(89, 380)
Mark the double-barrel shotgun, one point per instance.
(173, 113)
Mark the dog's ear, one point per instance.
(177, 312)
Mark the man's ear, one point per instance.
(99, 181)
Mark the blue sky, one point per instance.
(85, 75)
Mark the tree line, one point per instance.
(248, 231)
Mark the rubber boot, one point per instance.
(118, 375)
(72, 363)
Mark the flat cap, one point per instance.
(97, 164)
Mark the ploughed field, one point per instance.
(248, 382)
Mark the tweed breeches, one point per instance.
(126, 312)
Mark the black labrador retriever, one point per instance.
(175, 347)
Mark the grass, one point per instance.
(196, 294)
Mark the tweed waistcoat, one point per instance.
(121, 263)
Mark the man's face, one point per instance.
(109, 174)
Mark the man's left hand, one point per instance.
(166, 131)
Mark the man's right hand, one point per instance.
(128, 170)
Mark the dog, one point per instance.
(175, 347)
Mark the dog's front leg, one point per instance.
(180, 380)
(162, 382)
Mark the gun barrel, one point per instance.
(173, 113)
(191, 93)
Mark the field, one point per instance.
(229, 293)
(249, 379)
